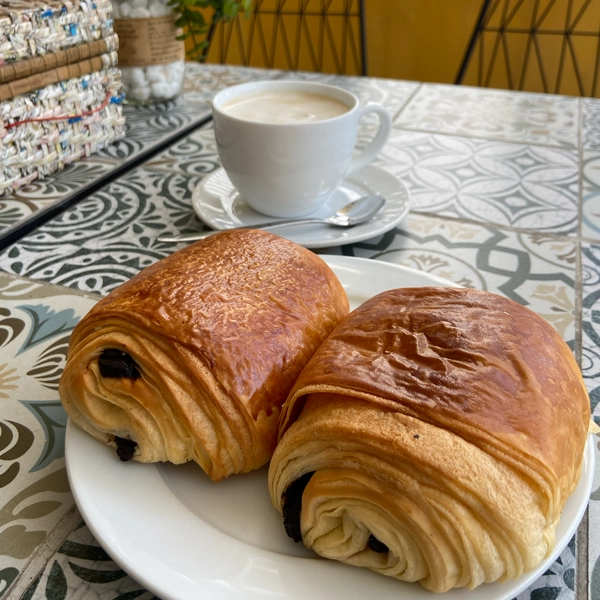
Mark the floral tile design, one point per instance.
(494, 114)
(147, 127)
(161, 122)
(590, 364)
(591, 124)
(536, 270)
(495, 195)
(590, 207)
(516, 185)
(35, 323)
(112, 225)
(82, 569)
(591, 323)
(119, 224)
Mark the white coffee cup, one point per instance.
(290, 169)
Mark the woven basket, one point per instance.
(60, 90)
(31, 28)
(34, 149)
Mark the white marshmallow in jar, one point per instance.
(151, 58)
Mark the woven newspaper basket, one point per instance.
(60, 90)
(38, 27)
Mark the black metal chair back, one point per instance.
(538, 45)
(326, 36)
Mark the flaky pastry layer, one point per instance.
(445, 430)
(212, 339)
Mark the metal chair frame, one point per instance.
(535, 29)
(351, 49)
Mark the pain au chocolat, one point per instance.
(434, 437)
(193, 358)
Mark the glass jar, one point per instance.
(151, 59)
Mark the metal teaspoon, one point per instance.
(354, 213)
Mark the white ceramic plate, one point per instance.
(219, 205)
(184, 537)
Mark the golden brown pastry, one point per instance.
(434, 437)
(193, 357)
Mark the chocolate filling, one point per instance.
(376, 545)
(125, 448)
(117, 364)
(292, 506)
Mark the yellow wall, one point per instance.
(425, 40)
(406, 39)
(422, 40)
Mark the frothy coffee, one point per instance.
(285, 106)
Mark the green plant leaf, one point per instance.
(195, 25)
(196, 17)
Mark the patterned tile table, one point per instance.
(147, 129)
(506, 198)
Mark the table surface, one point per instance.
(505, 191)
(148, 129)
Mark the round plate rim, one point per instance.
(138, 558)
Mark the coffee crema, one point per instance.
(285, 106)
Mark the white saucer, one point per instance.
(219, 205)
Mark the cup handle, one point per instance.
(379, 141)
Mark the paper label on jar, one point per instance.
(145, 42)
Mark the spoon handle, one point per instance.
(283, 222)
(267, 225)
